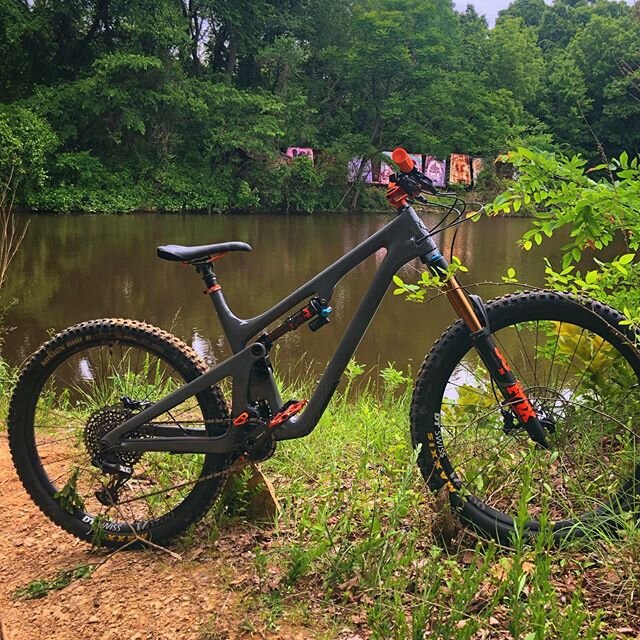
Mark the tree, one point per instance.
(599, 51)
(26, 141)
(515, 60)
(531, 11)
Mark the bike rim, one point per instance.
(78, 401)
(587, 392)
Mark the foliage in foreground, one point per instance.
(599, 208)
(361, 544)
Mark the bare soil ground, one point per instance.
(133, 595)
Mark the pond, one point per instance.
(75, 268)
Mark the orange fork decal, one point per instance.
(505, 367)
(520, 403)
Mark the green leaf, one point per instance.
(627, 258)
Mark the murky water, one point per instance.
(74, 268)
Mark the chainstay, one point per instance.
(231, 460)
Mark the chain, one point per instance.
(230, 460)
(226, 422)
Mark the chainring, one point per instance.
(262, 451)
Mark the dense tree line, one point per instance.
(120, 104)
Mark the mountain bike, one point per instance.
(120, 432)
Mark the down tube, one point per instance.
(300, 426)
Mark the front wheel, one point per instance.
(580, 369)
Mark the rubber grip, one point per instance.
(402, 159)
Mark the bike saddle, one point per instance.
(179, 253)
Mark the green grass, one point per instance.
(360, 544)
(360, 537)
(42, 587)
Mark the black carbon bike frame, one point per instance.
(405, 238)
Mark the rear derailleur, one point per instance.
(109, 494)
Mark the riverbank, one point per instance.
(360, 550)
(372, 201)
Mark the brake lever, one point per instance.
(426, 183)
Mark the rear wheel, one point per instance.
(84, 382)
(581, 372)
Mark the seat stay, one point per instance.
(237, 367)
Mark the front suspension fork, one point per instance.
(499, 370)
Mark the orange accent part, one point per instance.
(505, 367)
(213, 289)
(402, 159)
(396, 196)
(243, 418)
(217, 257)
(521, 404)
(289, 412)
(307, 313)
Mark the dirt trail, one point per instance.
(135, 595)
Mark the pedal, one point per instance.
(288, 410)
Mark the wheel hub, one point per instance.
(550, 406)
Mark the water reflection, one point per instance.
(75, 268)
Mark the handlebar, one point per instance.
(409, 182)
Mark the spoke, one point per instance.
(566, 373)
(137, 364)
(497, 455)
(555, 349)
(526, 354)
(478, 452)
(471, 372)
(468, 388)
(510, 475)
(48, 443)
(65, 427)
(449, 404)
(160, 491)
(66, 473)
(586, 370)
(71, 457)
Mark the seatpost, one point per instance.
(208, 276)
(225, 315)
